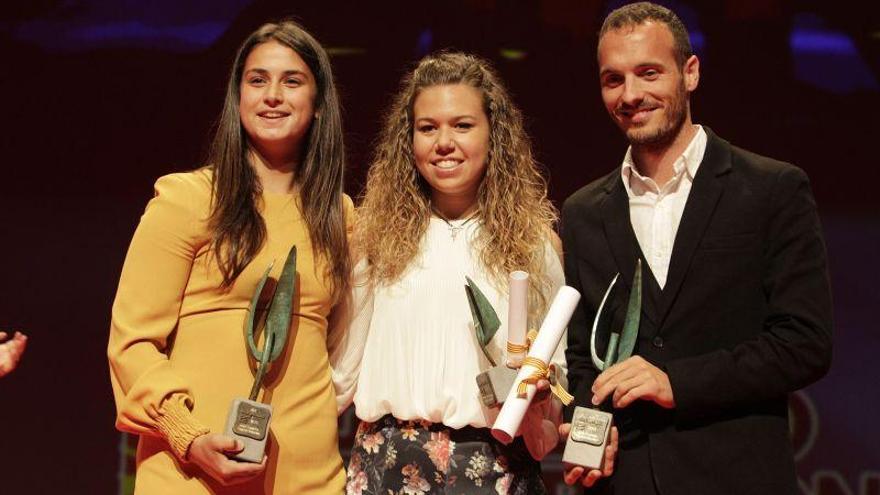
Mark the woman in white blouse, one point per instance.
(453, 191)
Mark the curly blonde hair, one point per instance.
(515, 215)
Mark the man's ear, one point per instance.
(691, 73)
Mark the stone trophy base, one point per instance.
(590, 433)
(495, 384)
(248, 422)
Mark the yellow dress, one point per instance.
(178, 355)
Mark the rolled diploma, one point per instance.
(517, 312)
(514, 409)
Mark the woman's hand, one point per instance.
(210, 452)
(11, 351)
(539, 409)
(538, 428)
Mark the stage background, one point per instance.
(101, 97)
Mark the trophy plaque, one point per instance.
(590, 426)
(496, 382)
(248, 419)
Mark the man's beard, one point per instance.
(666, 132)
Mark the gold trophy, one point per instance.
(248, 420)
(590, 426)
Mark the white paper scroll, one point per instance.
(518, 313)
(514, 408)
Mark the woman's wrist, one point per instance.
(179, 427)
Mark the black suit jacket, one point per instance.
(744, 319)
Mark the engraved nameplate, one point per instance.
(590, 426)
(248, 422)
(251, 421)
(589, 435)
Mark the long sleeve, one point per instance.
(349, 327)
(150, 398)
(581, 372)
(794, 347)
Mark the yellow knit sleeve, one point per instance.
(150, 398)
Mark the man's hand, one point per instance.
(633, 379)
(11, 351)
(572, 474)
(210, 452)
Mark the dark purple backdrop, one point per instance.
(100, 98)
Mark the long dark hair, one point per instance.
(238, 229)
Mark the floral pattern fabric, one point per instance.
(394, 457)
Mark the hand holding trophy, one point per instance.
(248, 420)
(536, 367)
(591, 427)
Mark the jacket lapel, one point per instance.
(707, 189)
(622, 240)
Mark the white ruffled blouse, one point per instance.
(409, 348)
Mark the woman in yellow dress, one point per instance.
(177, 349)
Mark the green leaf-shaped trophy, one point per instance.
(248, 420)
(495, 383)
(591, 427)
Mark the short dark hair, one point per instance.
(633, 14)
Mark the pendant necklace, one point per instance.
(453, 228)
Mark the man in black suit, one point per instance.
(736, 302)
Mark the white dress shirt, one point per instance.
(655, 211)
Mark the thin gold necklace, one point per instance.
(455, 229)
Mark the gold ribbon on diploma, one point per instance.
(543, 370)
(523, 348)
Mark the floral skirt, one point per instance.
(394, 457)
